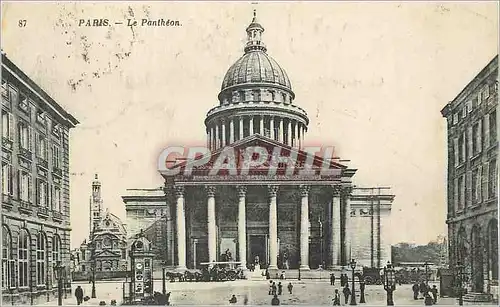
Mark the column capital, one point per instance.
(179, 190)
(168, 190)
(242, 190)
(272, 190)
(304, 190)
(336, 189)
(346, 190)
(210, 190)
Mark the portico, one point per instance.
(284, 216)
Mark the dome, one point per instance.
(256, 67)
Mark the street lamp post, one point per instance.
(58, 270)
(426, 265)
(163, 281)
(389, 283)
(321, 241)
(353, 294)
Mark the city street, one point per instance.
(308, 292)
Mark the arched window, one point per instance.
(8, 266)
(41, 259)
(56, 253)
(23, 248)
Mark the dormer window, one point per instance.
(40, 117)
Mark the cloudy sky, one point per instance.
(373, 78)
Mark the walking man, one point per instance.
(332, 279)
(415, 289)
(79, 295)
(280, 288)
(290, 287)
(347, 293)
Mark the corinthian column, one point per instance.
(346, 199)
(304, 227)
(212, 237)
(280, 133)
(271, 127)
(273, 227)
(231, 130)
(217, 138)
(296, 138)
(242, 226)
(335, 238)
(289, 133)
(181, 228)
(241, 127)
(261, 128)
(250, 132)
(223, 134)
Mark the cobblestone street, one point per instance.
(308, 292)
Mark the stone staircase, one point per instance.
(257, 274)
(474, 297)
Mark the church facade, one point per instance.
(287, 214)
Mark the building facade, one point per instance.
(106, 249)
(472, 180)
(35, 189)
(281, 219)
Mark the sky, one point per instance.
(372, 77)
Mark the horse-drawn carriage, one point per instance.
(221, 271)
(210, 271)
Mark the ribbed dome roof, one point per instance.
(256, 67)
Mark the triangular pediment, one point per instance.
(107, 253)
(263, 154)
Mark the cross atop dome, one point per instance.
(254, 35)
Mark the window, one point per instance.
(23, 258)
(83, 255)
(485, 92)
(25, 133)
(56, 252)
(8, 267)
(476, 142)
(468, 106)
(5, 93)
(492, 178)
(7, 179)
(7, 125)
(13, 94)
(493, 127)
(461, 192)
(461, 147)
(24, 186)
(23, 102)
(56, 199)
(476, 186)
(42, 193)
(41, 259)
(455, 118)
(55, 156)
(41, 147)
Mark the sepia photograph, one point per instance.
(249, 153)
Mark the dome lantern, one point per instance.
(254, 35)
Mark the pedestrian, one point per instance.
(347, 293)
(79, 295)
(270, 287)
(336, 298)
(275, 301)
(282, 276)
(233, 300)
(423, 288)
(428, 300)
(168, 298)
(341, 280)
(332, 279)
(273, 287)
(415, 289)
(434, 292)
(290, 288)
(280, 288)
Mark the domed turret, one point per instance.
(256, 97)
